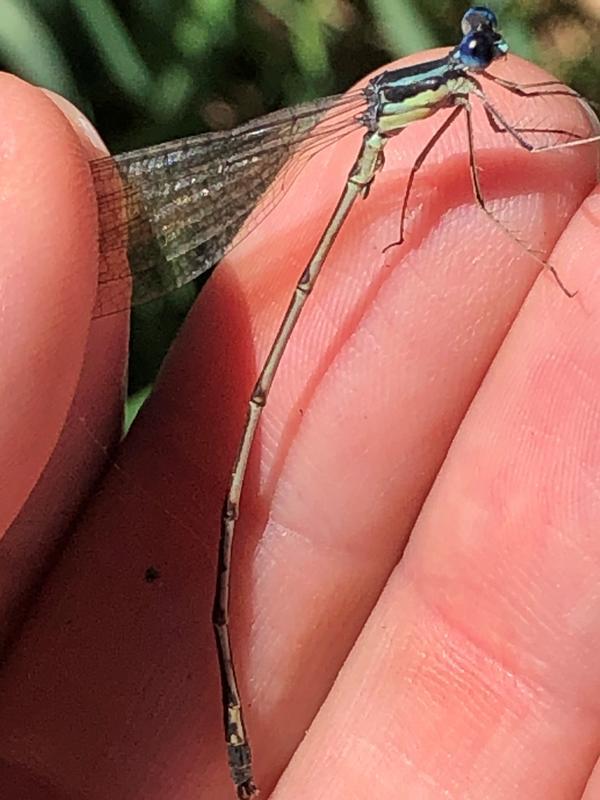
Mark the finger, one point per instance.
(41, 244)
(62, 387)
(593, 785)
(477, 673)
(385, 362)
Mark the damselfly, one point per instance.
(177, 208)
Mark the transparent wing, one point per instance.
(168, 213)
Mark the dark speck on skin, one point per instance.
(151, 575)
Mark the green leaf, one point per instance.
(115, 47)
(29, 48)
(402, 27)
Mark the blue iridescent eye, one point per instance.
(477, 50)
(478, 17)
(482, 43)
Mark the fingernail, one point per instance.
(81, 124)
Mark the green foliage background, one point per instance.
(154, 70)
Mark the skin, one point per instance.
(470, 668)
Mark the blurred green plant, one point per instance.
(152, 71)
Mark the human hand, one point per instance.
(475, 670)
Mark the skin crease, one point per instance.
(469, 669)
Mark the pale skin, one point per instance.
(474, 673)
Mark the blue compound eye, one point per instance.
(478, 17)
(477, 50)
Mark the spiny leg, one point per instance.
(502, 125)
(497, 128)
(538, 88)
(479, 197)
(239, 752)
(419, 161)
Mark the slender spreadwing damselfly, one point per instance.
(177, 209)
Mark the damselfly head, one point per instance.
(478, 17)
(482, 43)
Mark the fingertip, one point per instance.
(48, 241)
(89, 137)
